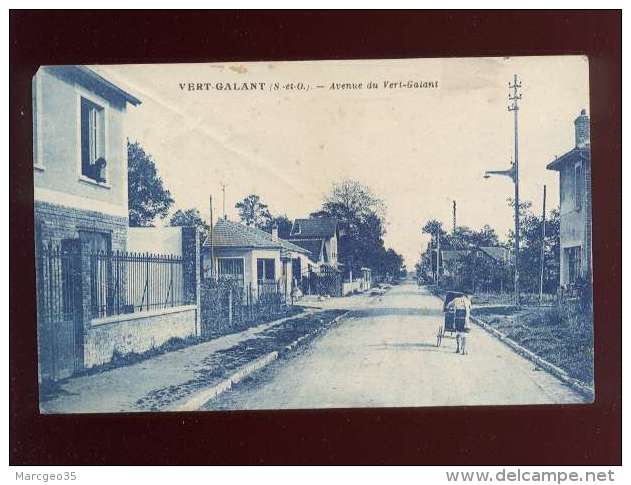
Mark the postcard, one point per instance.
(313, 234)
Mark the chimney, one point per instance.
(581, 125)
(275, 232)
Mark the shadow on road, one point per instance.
(419, 346)
(413, 291)
(394, 311)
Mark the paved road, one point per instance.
(384, 354)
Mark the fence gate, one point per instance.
(59, 314)
(327, 282)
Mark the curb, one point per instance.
(544, 364)
(199, 398)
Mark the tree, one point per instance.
(253, 212)
(362, 215)
(530, 249)
(392, 263)
(464, 237)
(352, 204)
(433, 227)
(190, 217)
(148, 198)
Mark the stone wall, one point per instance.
(137, 332)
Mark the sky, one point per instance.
(417, 149)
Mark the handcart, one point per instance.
(455, 319)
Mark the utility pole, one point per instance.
(438, 257)
(514, 99)
(454, 228)
(543, 245)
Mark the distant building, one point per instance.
(320, 236)
(453, 263)
(251, 257)
(575, 177)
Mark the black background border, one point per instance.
(585, 434)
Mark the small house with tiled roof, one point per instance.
(250, 256)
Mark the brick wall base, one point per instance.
(136, 333)
(53, 223)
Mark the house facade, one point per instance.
(79, 159)
(575, 206)
(253, 258)
(97, 295)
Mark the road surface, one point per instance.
(383, 354)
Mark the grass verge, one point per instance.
(562, 336)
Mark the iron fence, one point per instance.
(58, 311)
(122, 282)
(326, 281)
(55, 283)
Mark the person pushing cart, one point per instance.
(457, 308)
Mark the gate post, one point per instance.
(230, 307)
(83, 273)
(192, 271)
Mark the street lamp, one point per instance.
(513, 173)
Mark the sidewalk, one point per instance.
(162, 382)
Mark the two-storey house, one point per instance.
(79, 158)
(320, 236)
(575, 207)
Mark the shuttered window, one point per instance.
(92, 138)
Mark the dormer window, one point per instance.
(92, 141)
(297, 228)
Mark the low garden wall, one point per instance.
(137, 332)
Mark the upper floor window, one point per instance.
(92, 141)
(578, 186)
